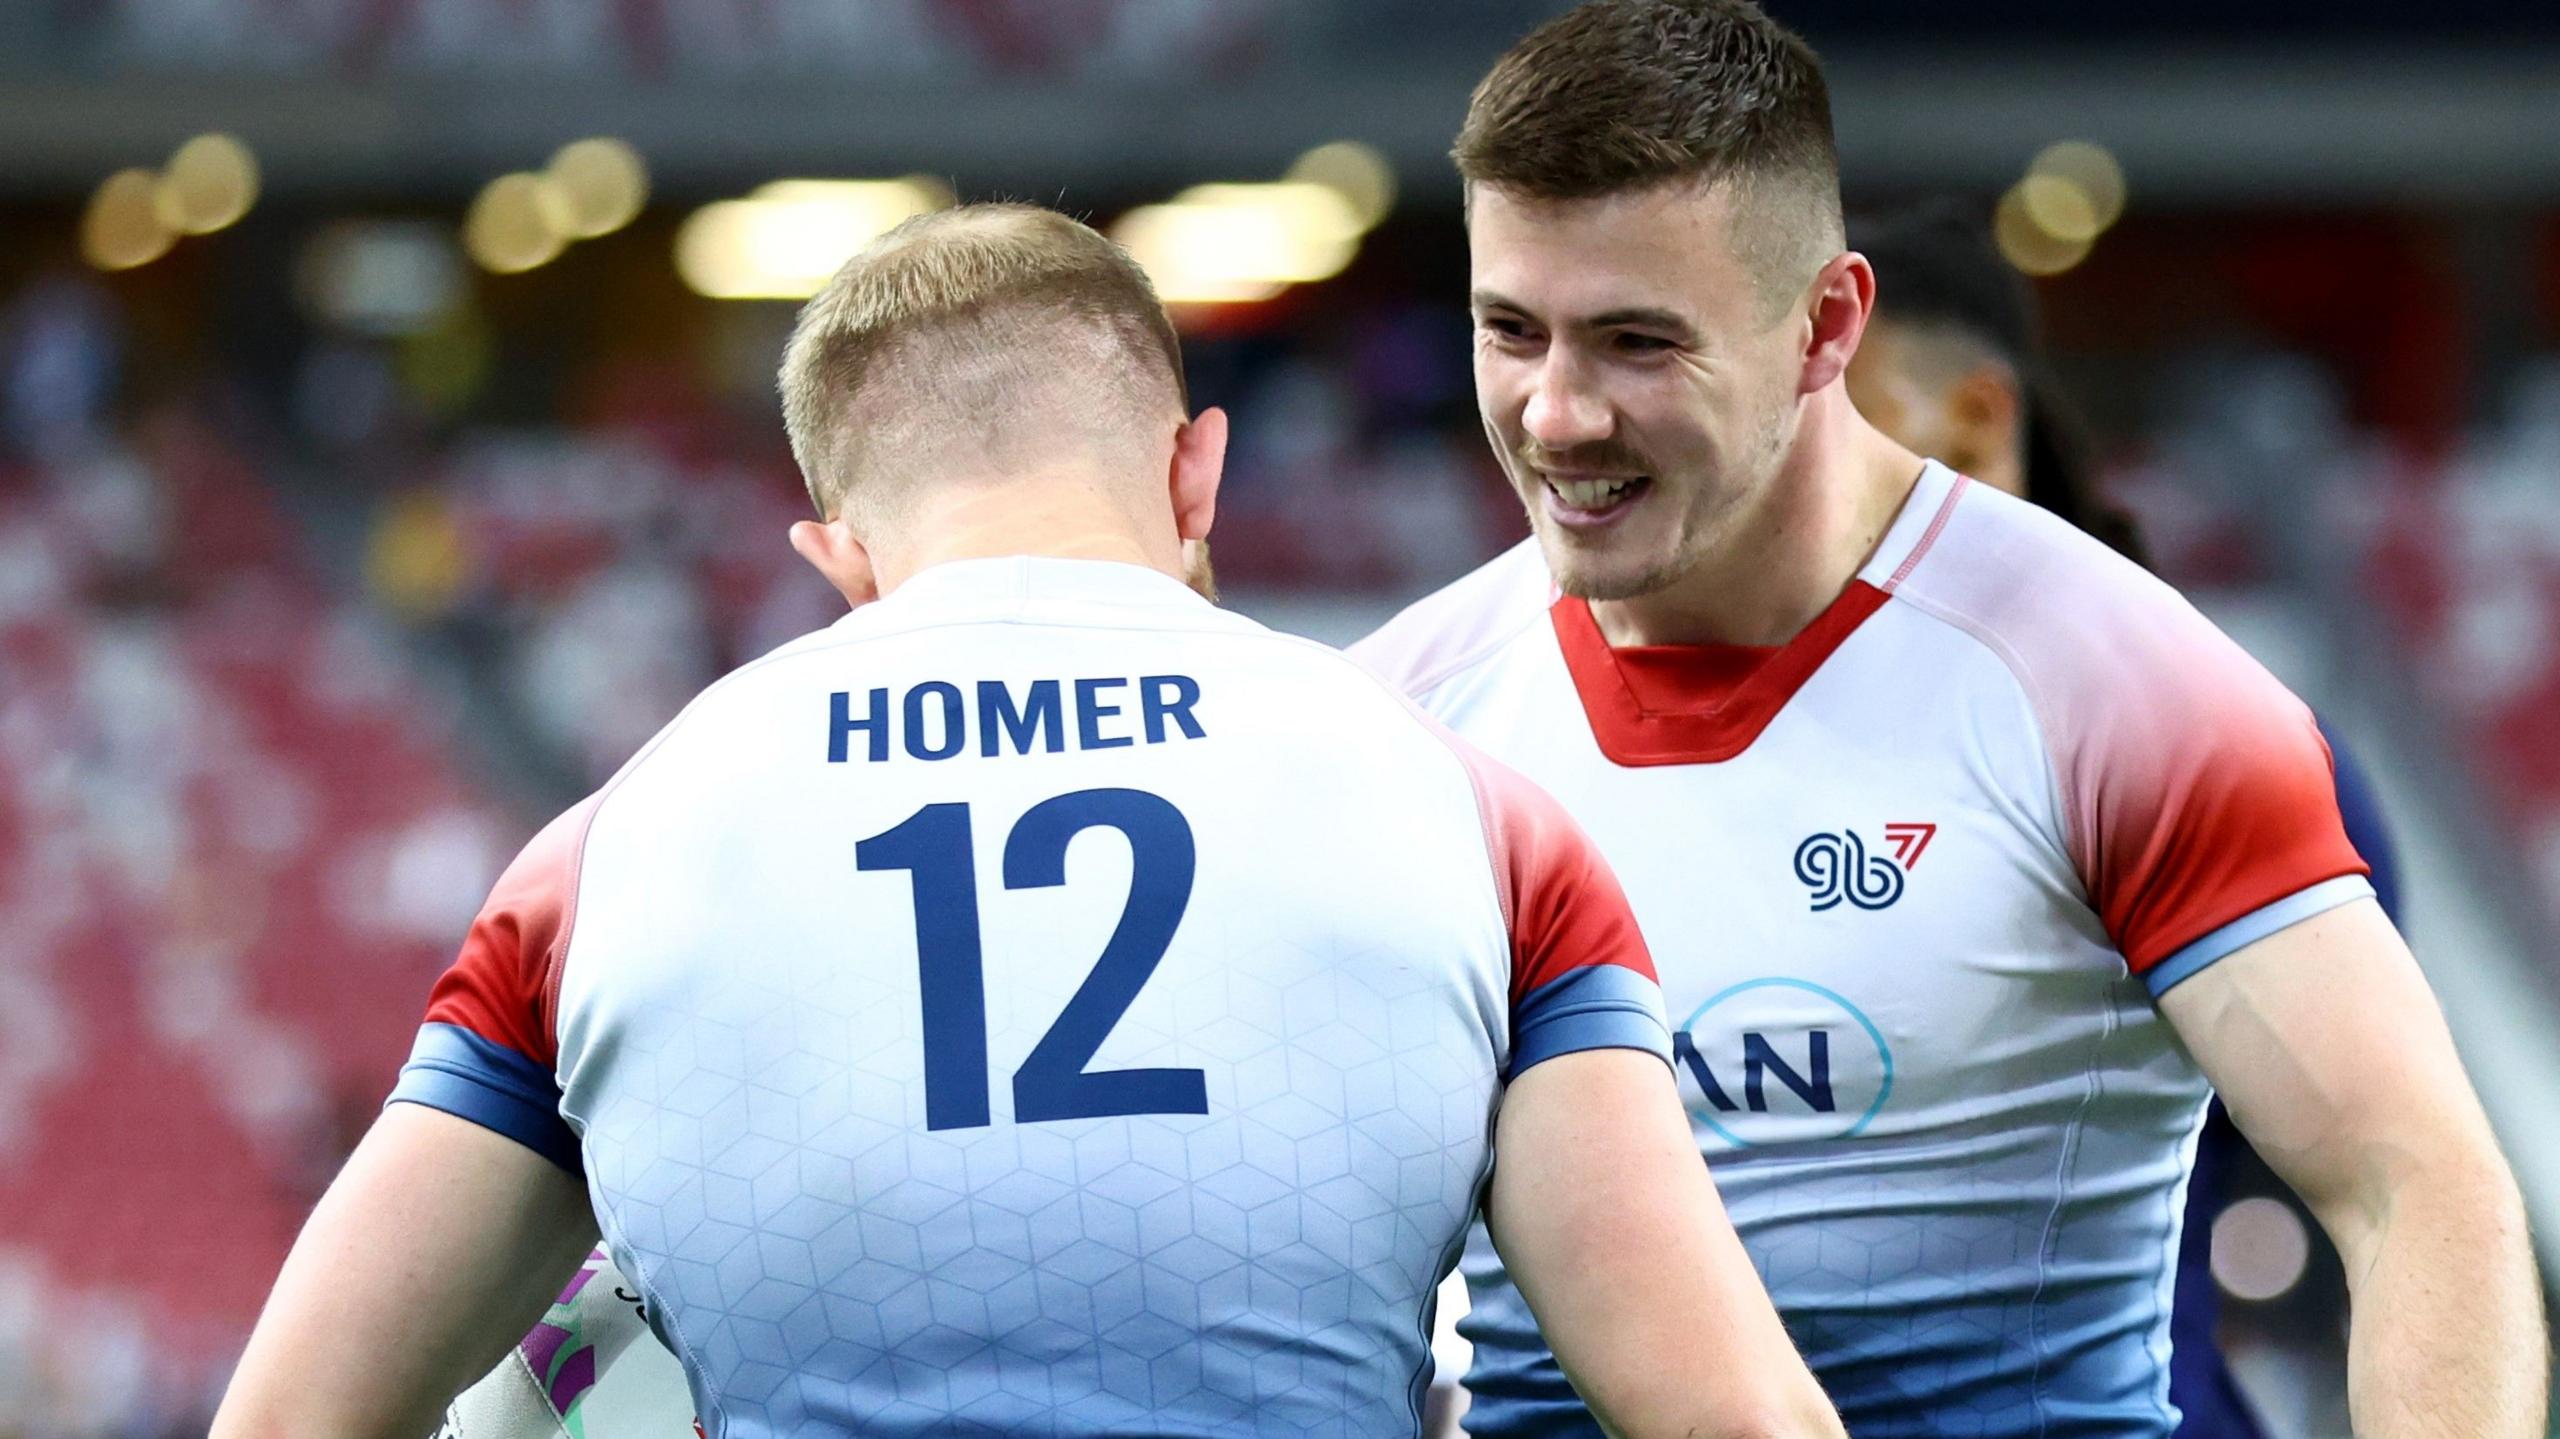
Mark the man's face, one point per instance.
(1635, 377)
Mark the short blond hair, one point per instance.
(1006, 329)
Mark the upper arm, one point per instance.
(463, 1209)
(436, 1248)
(1599, 1203)
(2330, 1052)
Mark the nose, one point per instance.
(1563, 410)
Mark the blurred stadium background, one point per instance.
(378, 467)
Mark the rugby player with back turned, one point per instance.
(1040, 1003)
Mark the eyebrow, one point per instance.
(1648, 317)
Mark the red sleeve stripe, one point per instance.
(504, 986)
(1561, 904)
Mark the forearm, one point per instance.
(2447, 1337)
(1609, 1224)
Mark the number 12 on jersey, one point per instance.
(935, 846)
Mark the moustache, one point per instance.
(1607, 457)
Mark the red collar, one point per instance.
(1695, 704)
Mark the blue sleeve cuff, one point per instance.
(469, 1077)
(2256, 925)
(1599, 1006)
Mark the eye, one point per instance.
(1507, 328)
(1635, 344)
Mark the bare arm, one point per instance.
(2334, 1060)
(1606, 1218)
(442, 1239)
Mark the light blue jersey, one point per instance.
(1914, 882)
(1039, 1004)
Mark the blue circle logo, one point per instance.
(1771, 1061)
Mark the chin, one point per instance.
(1605, 578)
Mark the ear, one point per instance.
(1982, 415)
(1843, 296)
(1199, 462)
(833, 552)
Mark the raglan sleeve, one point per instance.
(2203, 804)
(487, 1050)
(1581, 976)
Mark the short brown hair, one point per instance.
(982, 323)
(1620, 95)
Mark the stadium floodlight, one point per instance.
(785, 240)
(518, 223)
(602, 181)
(1233, 243)
(122, 227)
(2060, 208)
(1354, 171)
(208, 184)
(2025, 241)
(2091, 170)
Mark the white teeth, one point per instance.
(1590, 494)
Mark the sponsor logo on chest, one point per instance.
(1838, 867)
(1787, 1059)
(1782, 1060)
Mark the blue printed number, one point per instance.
(934, 845)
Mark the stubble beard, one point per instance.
(1715, 512)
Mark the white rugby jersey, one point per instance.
(1039, 1003)
(1912, 882)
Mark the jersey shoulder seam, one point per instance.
(1468, 659)
(1982, 633)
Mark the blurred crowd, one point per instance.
(234, 848)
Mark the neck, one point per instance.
(1781, 562)
(1064, 514)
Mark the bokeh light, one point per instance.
(1356, 172)
(602, 183)
(380, 277)
(2260, 1249)
(2091, 170)
(2027, 244)
(2059, 208)
(1237, 243)
(210, 182)
(518, 223)
(788, 238)
(123, 227)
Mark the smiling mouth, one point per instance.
(1597, 493)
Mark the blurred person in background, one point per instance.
(685, 1019)
(1952, 365)
(1974, 858)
